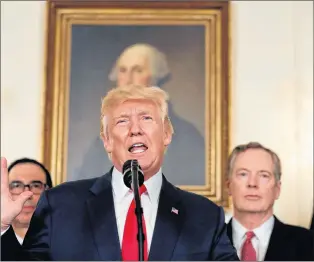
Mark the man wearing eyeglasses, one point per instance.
(26, 174)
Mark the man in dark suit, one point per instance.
(254, 174)
(26, 173)
(94, 219)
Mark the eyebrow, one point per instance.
(265, 171)
(141, 113)
(137, 66)
(121, 116)
(33, 181)
(260, 171)
(242, 169)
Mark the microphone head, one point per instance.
(127, 173)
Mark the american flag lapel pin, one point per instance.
(175, 211)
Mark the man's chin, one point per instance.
(138, 156)
(23, 219)
(251, 209)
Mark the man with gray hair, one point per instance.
(140, 64)
(254, 182)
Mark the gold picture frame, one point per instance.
(212, 16)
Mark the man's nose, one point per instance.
(252, 181)
(128, 78)
(28, 188)
(135, 128)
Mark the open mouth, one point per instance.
(137, 148)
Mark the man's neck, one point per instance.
(20, 230)
(252, 220)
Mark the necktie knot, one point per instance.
(249, 235)
(143, 189)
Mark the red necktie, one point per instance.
(248, 251)
(129, 242)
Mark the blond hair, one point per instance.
(119, 95)
(254, 145)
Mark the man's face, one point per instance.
(27, 173)
(136, 131)
(134, 68)
(252, 183)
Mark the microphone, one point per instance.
(133, 178)
(127, 173)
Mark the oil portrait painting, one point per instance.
(181, 48)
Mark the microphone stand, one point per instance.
(138, 210)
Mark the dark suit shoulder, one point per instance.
(297, 231)
(290, 243)
(74, 191)
(196, 204)
(72, 187)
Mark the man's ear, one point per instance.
(278, 189)
(107, 142)
(228, 186)
(105, 135)
(167, 135)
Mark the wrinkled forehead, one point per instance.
(135, 107)
(27, 172)
(254, 160)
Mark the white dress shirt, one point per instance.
(260, 241)
(20, 239)
(123, 197)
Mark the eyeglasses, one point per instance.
(18, 187)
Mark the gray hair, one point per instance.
(157, 59)
(254, 145)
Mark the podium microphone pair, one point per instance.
(133, 178)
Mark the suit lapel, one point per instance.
(101, 211)
(229, 231)
(277, 246)
(168, 223)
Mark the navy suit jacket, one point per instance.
(287, 243)
(76, 221)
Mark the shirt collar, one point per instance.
(20, 239)
(153, 186)
(238, 231)
(262, 232)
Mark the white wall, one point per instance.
(22, 79)
(272, 80)
(273, 93)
